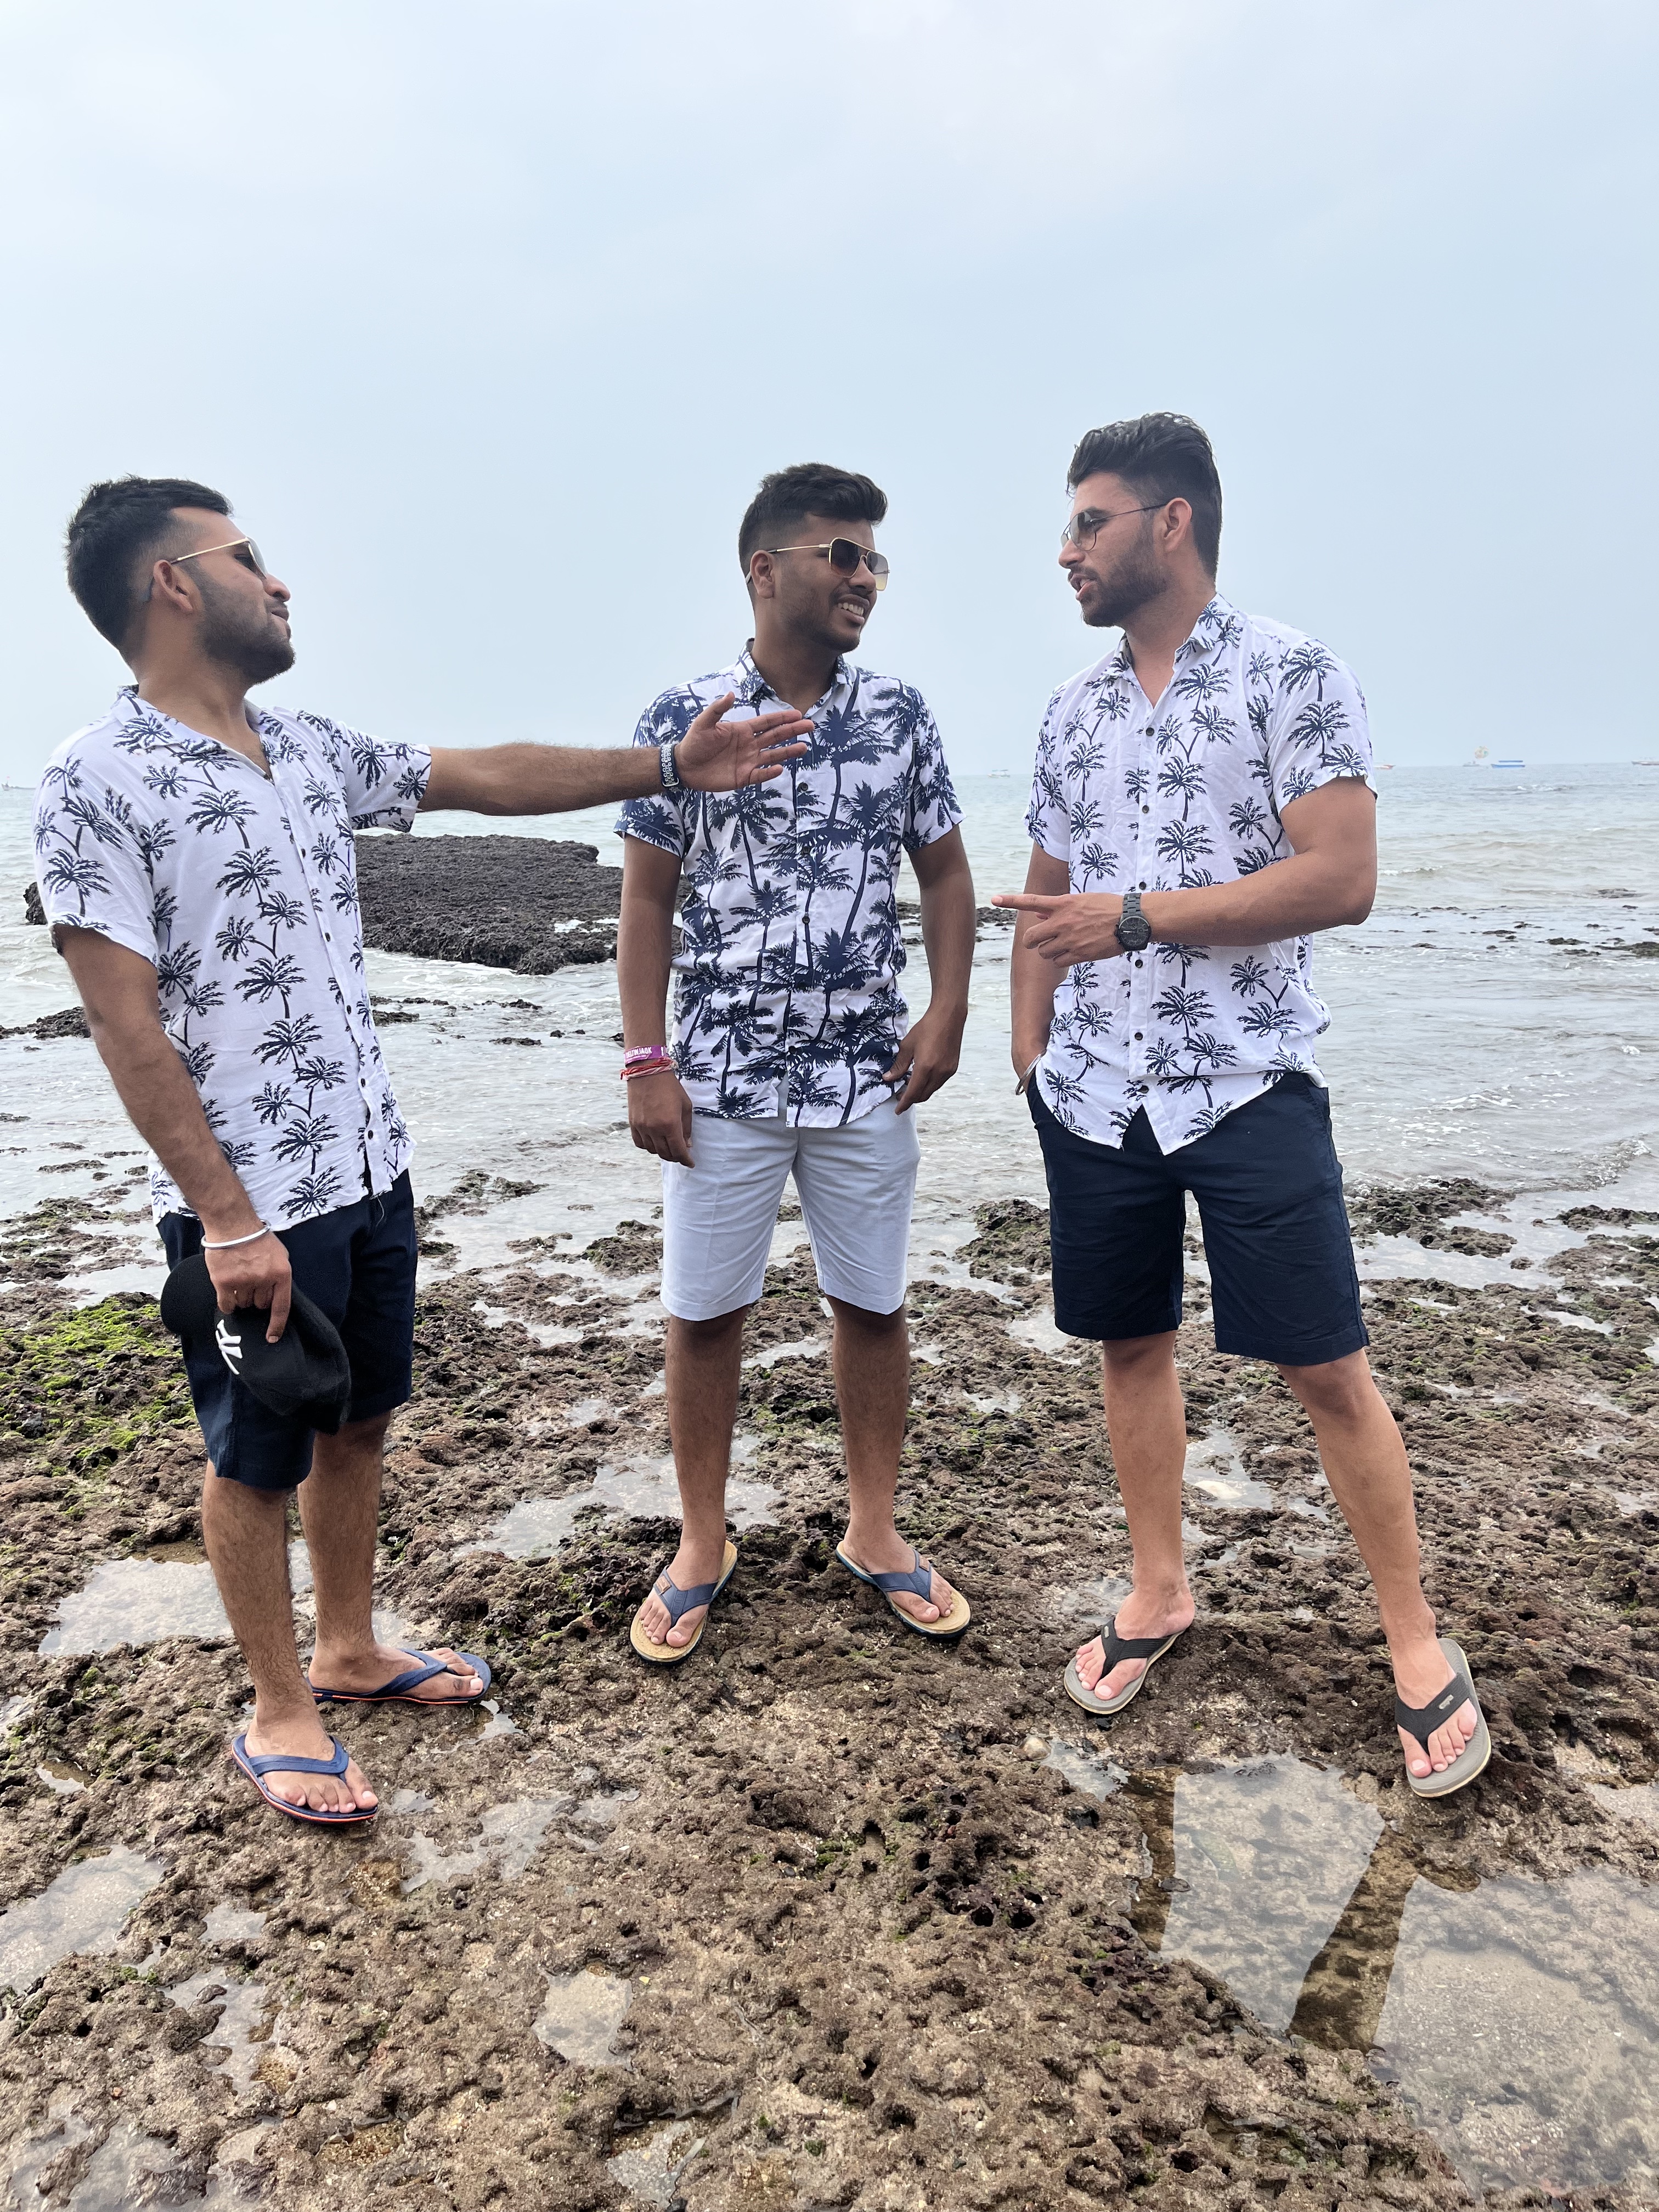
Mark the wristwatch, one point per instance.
(671, 775)
(1134, 931)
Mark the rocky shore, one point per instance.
(828, 1917)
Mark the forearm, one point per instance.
(162, 1104)
(949, 926)
(1302, 892)
(645, 944)
(1032, 983)
(539, 779)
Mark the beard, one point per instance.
(1120, 595)
(256, 645)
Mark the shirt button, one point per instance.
(1137, 1037)
(1141, 887)
(1146, 810)
(1139, 962)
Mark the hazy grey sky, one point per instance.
(489, 320)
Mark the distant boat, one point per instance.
(1652, 764)
(1508, 763)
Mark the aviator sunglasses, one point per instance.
(230, 545)
(844, 554)
(1083, 529)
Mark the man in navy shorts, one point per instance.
(1201, 804)
(197, 866)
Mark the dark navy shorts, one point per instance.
(1269, 1191)
(358, 1265)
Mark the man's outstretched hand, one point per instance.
(1069, 926)
(717, 755)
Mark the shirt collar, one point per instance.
(1217, 626)
(752, 686)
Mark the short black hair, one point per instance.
(1161, 457)
(118, 528)
(787, 496)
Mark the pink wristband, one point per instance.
(657, 1062)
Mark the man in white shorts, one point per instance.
(790, 1052)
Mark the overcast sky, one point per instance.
(489, 318)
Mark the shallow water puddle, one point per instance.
(83, 1911)
(1038, 1330)
(648, 2165)
(1520, 2018)
(232, 1924)
(1085, 1770)
(1213, 1465)
(239, 2032)
(510, 1836)
(144, 1601)
(581, 2015)
(632, 1489)
(114, 2174)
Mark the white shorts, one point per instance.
(856, 1185)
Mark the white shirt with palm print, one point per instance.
(241, 891)
(1136, 797)
(786, 997)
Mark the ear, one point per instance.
(172, 587)
(1176, 524)
(763, 578)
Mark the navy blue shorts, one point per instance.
(358, 1265)
(1269, 1191)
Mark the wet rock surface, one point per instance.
(827, 1903)
(533, 904)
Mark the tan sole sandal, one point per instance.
(918, 1582)
(679, 1601)
(1151, 1649)
(1420, 1722)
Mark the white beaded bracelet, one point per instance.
(226, 1244)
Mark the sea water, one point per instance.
(1463, 1040)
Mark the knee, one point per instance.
(709, 1335)
(1337, 1390)
(865, 1323)
(1131, 1359)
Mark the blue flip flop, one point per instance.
(256, 1765)
(918, 1580)
(399, 1691)
(678, 1602)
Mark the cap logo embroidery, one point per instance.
(229, 1344)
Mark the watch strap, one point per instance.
(669, 767)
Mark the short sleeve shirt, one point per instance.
(786, 998)
(240, 890)
(1187, 793)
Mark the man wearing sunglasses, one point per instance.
(1202, 805)
(197, 866)
(792, 1052)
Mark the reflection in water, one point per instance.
(511, 1835)
(239, 2032)
(1520, 2018)
(637, 1490)
(1086, 1770)
(581, 2015)
(83, 1911)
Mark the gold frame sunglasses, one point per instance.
(229, 546)
(835, 553)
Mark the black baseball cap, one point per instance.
(304, 1376)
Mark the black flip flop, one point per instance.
(1151, 1649)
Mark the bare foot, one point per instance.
(1419, 1674)
(372, 1666)
(888, 1554)
(304, 1736)
(699, 1559)
(1162, 1615)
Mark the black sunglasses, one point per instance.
(844, 555)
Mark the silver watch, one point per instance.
(671, 774)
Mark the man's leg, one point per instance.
(246, 1531)
(872, 1359)
(1147, 1426)
(704, 1366)
(1364, 1461)
(339, 1510)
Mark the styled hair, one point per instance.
(115, 533)
(1161, 457)
(787, 496)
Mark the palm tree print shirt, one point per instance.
(786, 998)
(1134, 797)
(242, 891)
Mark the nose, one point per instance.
(277, 589)
(1070, 553)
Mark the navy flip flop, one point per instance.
(678, 1602)
(400, 1690)
(918, 1580)
(256, 1765)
